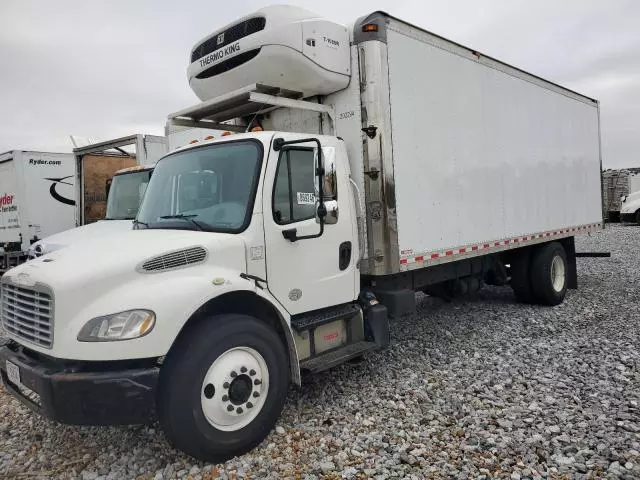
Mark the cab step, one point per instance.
(311, 320)
(335, 357)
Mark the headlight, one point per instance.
(118, 326)
(36, 250)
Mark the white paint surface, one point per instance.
(482, 155)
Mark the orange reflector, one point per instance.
(209, 137)
(193, 141)
(225, 133)
(370, 27)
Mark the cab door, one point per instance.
(313, 273)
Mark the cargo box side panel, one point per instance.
(9, 199)
(154, 148)
(482, 155)
(97, 169)
(49, 185)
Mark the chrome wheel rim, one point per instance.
(234, 389)
(558, 273)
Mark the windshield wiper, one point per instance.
(189, 218)
(137, 222)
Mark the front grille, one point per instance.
(227, 65)
(230, 35)
(28, 313)
(180, 258)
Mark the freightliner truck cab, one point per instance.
(286, 244)
(242, 268)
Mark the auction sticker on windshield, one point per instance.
(13, 372)
(306, 198)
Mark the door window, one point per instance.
(294, 196)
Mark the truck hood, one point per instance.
(110, 274)
(121, 254)
(91, 231)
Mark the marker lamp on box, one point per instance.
(118, 326)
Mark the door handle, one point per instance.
(344, 255)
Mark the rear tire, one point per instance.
(222, 387)
(549, 273)
(521, 278)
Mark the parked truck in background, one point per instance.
(123, 192)
(36, 200)
(122, 165)
(108, 200)
(618, 185)
(392, 161)
(97, 163)
(630, 207)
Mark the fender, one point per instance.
(263, 294)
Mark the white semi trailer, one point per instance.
(391, 161)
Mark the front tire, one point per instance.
(549, 274)
(222, 387)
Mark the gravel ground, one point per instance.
(476, 388)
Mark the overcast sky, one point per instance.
(103, 69)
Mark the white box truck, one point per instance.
(112, 176)
(391, 161)
(630, 200)
(36, 200)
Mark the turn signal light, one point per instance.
(370, 27)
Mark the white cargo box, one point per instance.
(37, 196)
(455, 154)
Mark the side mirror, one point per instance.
(330, 188)
(107, 187)
(329, 212)
(324, 185)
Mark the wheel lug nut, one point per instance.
(225, 398)
(230, 408)
(252, 372)
(209, 390)
(234, 374)
(239, 410)
(257, 381)
(243, 370)
(256, 394)
(225, 385)
(249, 405)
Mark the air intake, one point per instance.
(173, 260)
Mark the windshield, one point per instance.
(125, 194)
(206, 188)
